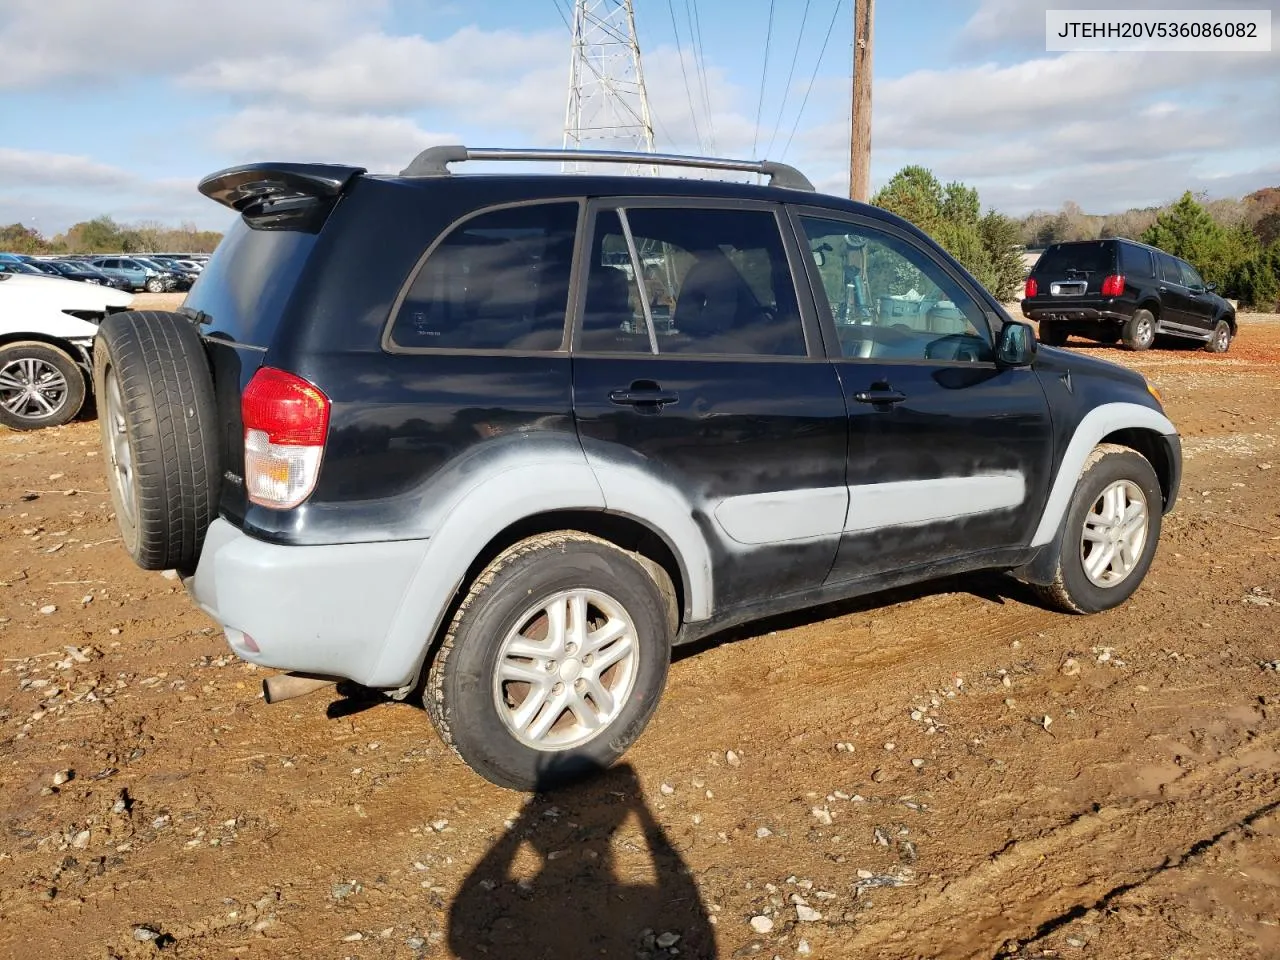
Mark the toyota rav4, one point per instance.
(501, 442)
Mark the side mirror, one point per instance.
(1017, 345)
(1210, 287)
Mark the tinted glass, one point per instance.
(1190, 278)
(1170, 272)
(1096, 257)
(1135, 261)
(499, 281)
(717, 281)
(613, 319)
(890, 300)
(248, 280)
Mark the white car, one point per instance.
(47, 326)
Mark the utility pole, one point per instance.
(860, 134)
(608, 106)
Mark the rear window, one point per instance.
(1093, 258)
(247, 281)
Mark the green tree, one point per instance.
(17, 238)
(987, 246)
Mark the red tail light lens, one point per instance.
(1113, 286)
(286, 420)
(1032, 287)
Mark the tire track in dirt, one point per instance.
(1033, 885)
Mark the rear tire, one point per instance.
(1139, 331)
(40, 386)
(1052, 333)
(1220, 341)
(1086, 581)
(159, 428)
(505, 629)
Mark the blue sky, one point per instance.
(120, 107)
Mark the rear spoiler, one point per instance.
(279, 195)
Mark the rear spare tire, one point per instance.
(158, 420)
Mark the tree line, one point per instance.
(105, 235)
(1233, 243)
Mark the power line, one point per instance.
(764, 72)
(786, 89)
(700, 62)
(817, 64)
(688, 91)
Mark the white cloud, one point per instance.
(379, 143)
(43, 42)
(39, 169)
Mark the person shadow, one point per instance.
(584, 871)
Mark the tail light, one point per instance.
(1032, 287)
(1113, 286)
(286, 420)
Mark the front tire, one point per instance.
(154, 285)
(554, 662)
(40, 386)
(1220, 342)
(1139, 331)
(1110, 533)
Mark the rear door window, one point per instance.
(1170, 272)
(498, 281)
(716, 282)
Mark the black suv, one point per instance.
(502, 441)
(1118, 289)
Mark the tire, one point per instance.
(463, 686)
(59, 386)
(1052, 333)
(1072, 589)
(159, 428)
(154, 285)
(1139, 331)
(1220, 341)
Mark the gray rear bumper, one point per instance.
(317, 609)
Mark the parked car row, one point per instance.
(154, 273)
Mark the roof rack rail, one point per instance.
(434, 161)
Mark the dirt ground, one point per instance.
(946, 772)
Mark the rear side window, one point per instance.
(498, 281)
(1170, 272)
(717, 283)
(1135, 261)
(248, 280)
(1093, 258)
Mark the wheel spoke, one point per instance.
(42, 401)
(610, 632)
(1093, 534)
(608, 657)
(522, 646)
(556, 630)
(517, 672)
(8, 382)
(534, 701)
(577, 627)
(1099, 560)
(544, 721)
(601, 697)
(583, 712)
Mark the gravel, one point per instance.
(762, 924)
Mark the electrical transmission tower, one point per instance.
(608, 107)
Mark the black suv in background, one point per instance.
(501, 442)
(1118, 289)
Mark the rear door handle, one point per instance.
(644, 396)
(878, 397)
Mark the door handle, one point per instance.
(643, 394)
(882, 396)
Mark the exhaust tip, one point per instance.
(286, 686)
